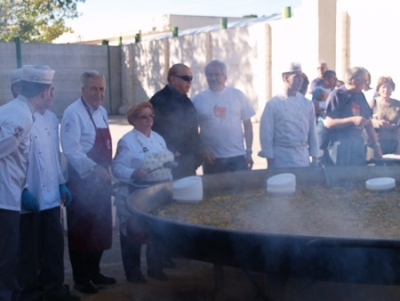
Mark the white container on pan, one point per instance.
(284, 183)
(188, 190)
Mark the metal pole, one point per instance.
(18, 51)
(224, 23)
(286, 12)
(105, 43)
(175, 31)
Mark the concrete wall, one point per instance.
(343, 35)
(8, 61)
(255, 55)
(69, 61)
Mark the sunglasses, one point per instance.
(151, 116)
(186, 78)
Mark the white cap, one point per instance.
(15, 76)
(41, 74)
(292, 67)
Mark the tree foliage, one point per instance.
(36, 20)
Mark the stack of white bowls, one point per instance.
(188, 190)
(284, 183)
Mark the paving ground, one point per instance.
(194, 280)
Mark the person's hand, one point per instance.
(139, 174)
(208, 156)
(101, 176)
(249, 161)
(66, 195)
(360, 121)
(29, 202)
(385, 124)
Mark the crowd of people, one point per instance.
(213, 130)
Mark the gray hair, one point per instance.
(354, 73)
(218, 63)
(90, 74)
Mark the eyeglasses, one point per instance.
(151, 116)
(186, 78)
(217, 75)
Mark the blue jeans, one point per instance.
(348, 152)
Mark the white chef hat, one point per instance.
(15, 76)
(291, 67)
(41, 74)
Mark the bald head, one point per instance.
(176, 69)
(180, 78)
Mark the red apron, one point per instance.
(89, 215)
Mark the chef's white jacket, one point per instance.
(15, 128)
(44, 171)
(77, 135)
(288, 131)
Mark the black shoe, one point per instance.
(159, 275)
(136, 277)
(168, 263)
(65, 296)
(87, 287)
(102, 279)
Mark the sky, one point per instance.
(106, 18)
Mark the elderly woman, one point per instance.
(386, 116)
(140, 156)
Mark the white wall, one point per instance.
(373, 40)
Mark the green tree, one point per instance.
(36, 20)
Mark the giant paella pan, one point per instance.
(332, 228)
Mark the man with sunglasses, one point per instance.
(176, 121)
(224, 116)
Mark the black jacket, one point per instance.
(176, 121)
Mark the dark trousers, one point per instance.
(348, 152)
(85, 264)
(28, 267)
(51, 251)
(9, 235)
(323, 143)
(130, 252)
(41, 255)
(225, 165)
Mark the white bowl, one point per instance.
(188, 190)
(283, 190)
(380, 184)
(282, 180)
(391, 156)
(284, 183)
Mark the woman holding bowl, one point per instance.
(140, 156)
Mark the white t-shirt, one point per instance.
(220, 116)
